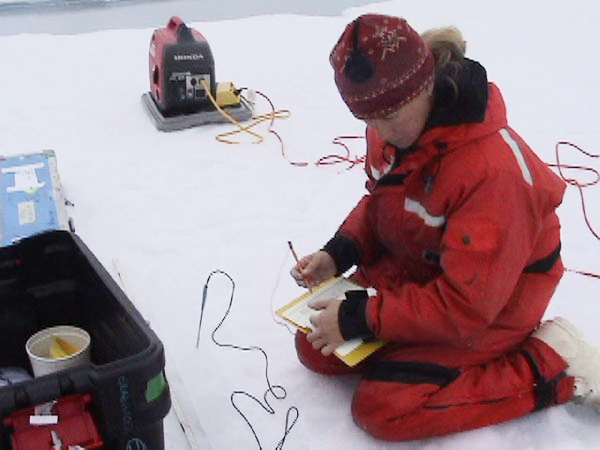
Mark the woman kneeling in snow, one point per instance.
(459, 236)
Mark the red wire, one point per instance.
(576, 183)
(323, 161)
(272, 131)
(587, 274)
(337, 159)
(579, 186)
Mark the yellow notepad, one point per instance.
(298, 314)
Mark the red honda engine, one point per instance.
(180, 58)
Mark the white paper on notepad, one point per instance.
(300, 313)
(348, 346)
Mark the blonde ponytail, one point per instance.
(446, 44)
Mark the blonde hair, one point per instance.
(448, 48)
(446, 44)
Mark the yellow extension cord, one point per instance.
(279, 114)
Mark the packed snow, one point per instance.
(173, 207)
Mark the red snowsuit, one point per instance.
(460, 238)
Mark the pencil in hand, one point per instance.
(293, 252)
(296, 259)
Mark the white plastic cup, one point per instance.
(38, 349)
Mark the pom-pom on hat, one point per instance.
(380, 64)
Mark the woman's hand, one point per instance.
(314, 269)
(326, 335)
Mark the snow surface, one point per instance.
(172, 207)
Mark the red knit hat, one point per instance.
(380, 64)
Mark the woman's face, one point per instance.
(403, 127)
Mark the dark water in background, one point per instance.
(78, 16)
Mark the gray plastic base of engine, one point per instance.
(182, 121)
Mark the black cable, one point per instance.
(271, 389)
